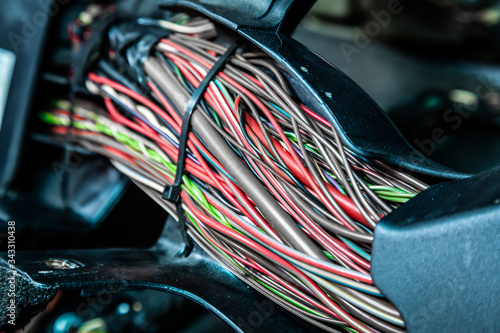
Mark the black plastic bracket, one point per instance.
(270, 15)
(134, 41)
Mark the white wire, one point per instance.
(181, 28)
(137, 177)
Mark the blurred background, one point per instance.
(432, 65)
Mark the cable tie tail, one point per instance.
(172, 193)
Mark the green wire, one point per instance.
(396, 194)
(387, 188)
(216, 117)
(285, 297)
(400, 200)
(62, 104)
(335, 178)
(348, 329)
(179, 75)
(192, 189)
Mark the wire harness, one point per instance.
(269, 189)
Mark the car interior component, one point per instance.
(292, 178)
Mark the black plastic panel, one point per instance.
(437, 257)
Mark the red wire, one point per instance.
(204, 168)
(315, 115)
(217, 226)
(304, 175)
(61, 129)
(186, 68)
(171, 151)
(318, 234)
(229, 253)
(117, 117)
(318, 231)
(218, 101)
(297, 292)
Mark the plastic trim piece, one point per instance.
(437, 257)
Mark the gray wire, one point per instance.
(335, 228)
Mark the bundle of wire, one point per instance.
(269, 191)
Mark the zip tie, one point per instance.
(172, 192)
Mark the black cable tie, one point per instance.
(172, 192)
